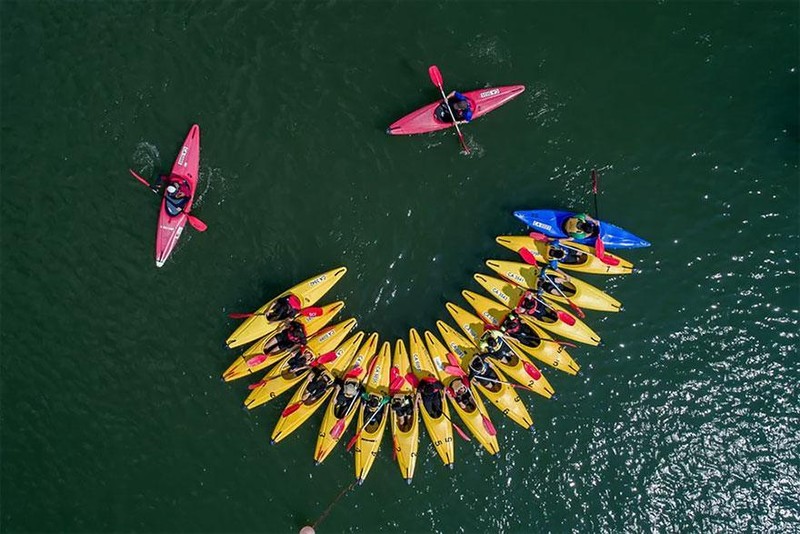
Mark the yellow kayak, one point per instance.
(552, 317)
(311, 325)
(433, 407)
(309, 292)
(468, 405)
(489, 383)
(580, 258)
(511, 358)
(579, 292)
(373, 413)
(281, 377)
(342, 408)
(316, 388)
(404, 414)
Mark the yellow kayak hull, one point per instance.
(309, 292)
(503, 396)
(579, 292)
(588, 260)
(369, 441)
(312, 325)
(279, 379)
(405, 441)
(579, 331)
(291, 422)
(474, 419)
(439, 427)
(325, 441)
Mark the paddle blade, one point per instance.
(197, 224)
(487, 424)
(145, 182)
(452, 359)
(594, 181)
(576, 309)
(394, 449)
(294, 302)
(312, 311)
(461, 433)
(325, 358)
(255, 360)
(353, 441)
(565, 317)
(338, 428)
(412, 379)
(291, 409)
(255, 385)
(354, 372)
(532, 371)
(599, 247)
(436, 76)
(527, 256)
(537, 236)
(240, 315)
(454, 370)
(565, 343)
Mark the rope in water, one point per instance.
(310, 530)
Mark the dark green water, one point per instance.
(113, 415)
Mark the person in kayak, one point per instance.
(176, 197)
(552, 284)
(300, 361)
(491, 345)
(532, 304)
(373, 403)
(556, 253)
(403, 407)
(346, 398)
(319, 384)
(480, 370)
(581, 226)
(460, 106)
(294, 334)
(284, 308)
(430, 392)
(462, 395)
(514, 327)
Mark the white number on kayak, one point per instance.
(490, 93)
(182, 158)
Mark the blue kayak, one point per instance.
(551, 223)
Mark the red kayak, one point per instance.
(178, 196)
(426, 119)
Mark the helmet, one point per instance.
(172, 189)
(350, 389)
(477, 365)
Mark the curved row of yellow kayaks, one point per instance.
(437, 380)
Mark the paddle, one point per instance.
(571, 304)
(532, 371)
(436, 78)
(196, 223)
(562, 315)
(338, 428)
(520, 386)
(145, 182)
(311, 312)
(384, 402)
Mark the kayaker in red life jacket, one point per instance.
(293, 335)
(531, 304)
(284, 308)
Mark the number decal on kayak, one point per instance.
(317, 281)
(417, 363)
(487, 94)
(514, 277)
(182, 157)
(457, 349)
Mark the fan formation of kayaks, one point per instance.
(445, 381)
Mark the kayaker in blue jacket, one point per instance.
(460, 106)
